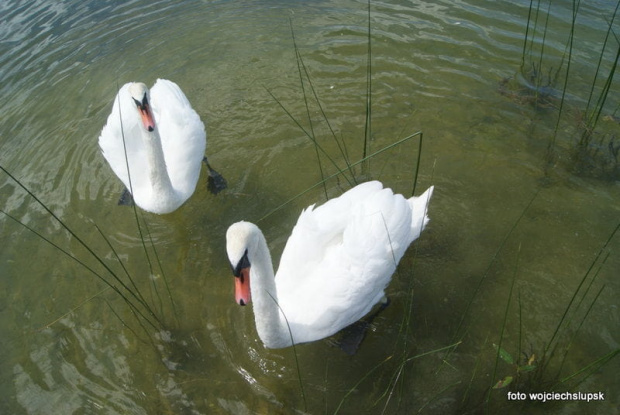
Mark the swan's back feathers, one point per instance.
(351, 245)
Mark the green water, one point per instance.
(71, 345)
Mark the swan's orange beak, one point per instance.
(144, 108)
(147, 117)
(242, 287)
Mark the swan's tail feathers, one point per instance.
(419, 211)
(215, 182)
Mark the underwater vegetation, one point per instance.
(549, 81)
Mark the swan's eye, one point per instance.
(244, 262)
(142, 105)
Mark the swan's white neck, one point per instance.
(158, 172)
(270, 323)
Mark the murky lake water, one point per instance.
(71, 345)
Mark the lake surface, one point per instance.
(520, 231)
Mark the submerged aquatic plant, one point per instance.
(544, 371)
(544, 79)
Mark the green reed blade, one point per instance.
(163, 273)
(72, 310)
(600, 58)
(297, 196)
(290, 333)
(351, 390)
(302, 65)
(310, 136)
(501, 353)
(493, 259)
(85, 246)
(591, 368)
(572, 300)
(118, 259)
(303, 90)
(368, 122)
(596, 113)
(576, 331)
(152, 286)
(527, 30)
(570, 42)
(417, 166)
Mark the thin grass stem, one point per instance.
(572, 300)
(350, 391)
(368, 122)
(417, 167)
(152, 285)
(438, 394)
(131, 280)
(503, 327)
(568, 66)
(290, 333)
(90, 251)
(534, 30)
(163, 274)
(48, 325)
(493, 259)
(538, 81)
(591, 368)
(574, 336)
(527, 30)
(520, 341)
(310, 136)
(473, 374)
(303, 90)
(600, 58)
(134, 208)
(339, 172)
(389, 391)
(127, 326)
(301, 64)
(594, 117)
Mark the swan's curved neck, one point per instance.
(158, 172)
(270, 323)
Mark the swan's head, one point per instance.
(241, 242)
(141, 98)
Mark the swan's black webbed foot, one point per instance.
(126, 198)
(215, 182)
(350, 338)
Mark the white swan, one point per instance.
(165, 142)
(334, 268)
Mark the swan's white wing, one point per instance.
(111, 141)
(340, 257)
(318, 229)
(182, 135)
